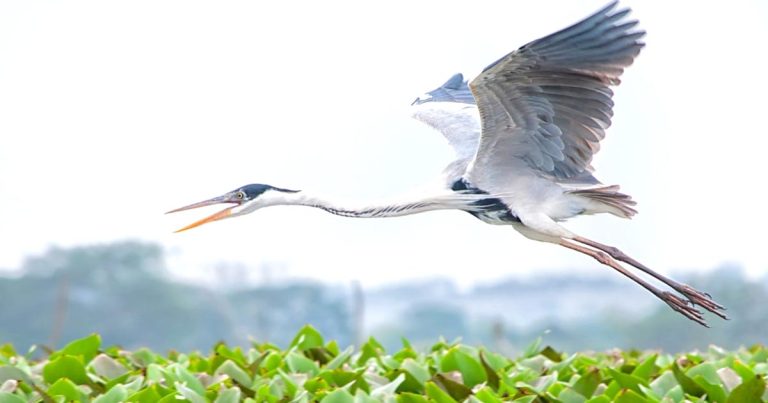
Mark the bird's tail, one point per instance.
(607, 199)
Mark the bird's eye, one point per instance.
(240, 195)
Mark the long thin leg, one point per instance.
(695, 296)
(672, 300)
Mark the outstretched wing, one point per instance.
(549, 102)
(451, 110)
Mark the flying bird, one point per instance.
(524, 132)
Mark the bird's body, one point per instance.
(524, 132)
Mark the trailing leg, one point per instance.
(675, 302)
(695, 296)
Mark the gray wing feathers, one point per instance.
(549, 102)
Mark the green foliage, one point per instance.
(311, 369)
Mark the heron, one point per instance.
(524, 132)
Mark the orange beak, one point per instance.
(214, 217)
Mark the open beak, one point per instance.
(214, 217)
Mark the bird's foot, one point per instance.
(683, 307)
(703, 300)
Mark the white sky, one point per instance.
(112, 113)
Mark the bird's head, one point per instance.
(453, 90)
(243, 200)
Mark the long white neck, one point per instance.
(395, 208)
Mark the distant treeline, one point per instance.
(122, 291)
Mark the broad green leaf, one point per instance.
(707, 371)
(7, 373)
(146, 395)
(490, 373)
(107, 367)
(65, 387)
(6, 397)
(438, 395)
(715, 392)
(627, 381)
(744, 371)
(664, 383)
(340, 359)
(185, 377)
(231, 369)
(587, 384)
(65, 366)
(729, 378)
(190, 394)
(487, 395)
(749, 391)
(87, 348)
(472, 372)
(550, 353)
(272, 361)
(630, 396)
(306, 338)
(299, 363)
(229, 395)
(646, 368)
(339, 396)
(389, 389)
(689, 386)
(115, 395)
(408, 397)
(419, 372)
(568, 395)
(456, 390)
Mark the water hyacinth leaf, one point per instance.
(729, 377)
(486, 395)
(627, 381)
(107, 367)
(418, 371)
(749, 391)
(568, 395)
(233, 371)
(339, 396)
(272, 362)
(146, 395)
(550, 353)
(87, 348)
(65, 387)
(387, 390)
(533, 348)
(9, 386)
(308, 337)
(115, 395)
(437, 394)
(299, 363)
(715, 392)
(490, 373)
(630, 396)
(744, 371)
(228, 395)
(190, 394)
(707, 371)
(689, 386)
(456, 390)
(340, 358)
(472, 372)
(188, 380)
(408, 397)
(6, 397)
(65, 366)
(14, 373)
(587, 384)
(647, 368)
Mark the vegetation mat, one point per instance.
(311, 369)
